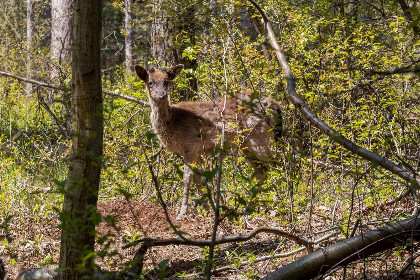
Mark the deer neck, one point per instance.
(160, 115)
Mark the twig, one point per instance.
(42, 84)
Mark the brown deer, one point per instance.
(192, 129)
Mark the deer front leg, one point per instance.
(188, 176)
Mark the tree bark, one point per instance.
(129, 37)
(344, 252)
(61, 33)
(60, 52)
(160, 41)
(79, 215)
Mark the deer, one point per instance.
(192, 129)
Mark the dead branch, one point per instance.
(31, 81)
(151, 242)
(43, 84)
(126, 97)
(317, 122)
(148, 243)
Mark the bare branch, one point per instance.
(42, 84)
(126, 97)
(316, 121)
(147, 243)
(151, 242)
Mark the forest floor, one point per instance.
(148, 220)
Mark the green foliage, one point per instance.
(335, 56)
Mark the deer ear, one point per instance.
(141, 72)
(174, 71)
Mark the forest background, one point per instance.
(355, 63)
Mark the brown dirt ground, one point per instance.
(148, 220)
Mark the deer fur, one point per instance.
(192, 129)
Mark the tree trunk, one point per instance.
(79, 215)
(129, 37)
(29, 42)
(61, 40)
(160, 41)
(61, 34)
(346, 251)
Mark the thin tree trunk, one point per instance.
(29, 42)
(160, 41)
(129, 37)
(60, 52)
(61, 34)
(79, 215)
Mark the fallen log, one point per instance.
(351, 249)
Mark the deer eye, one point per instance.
(150, 83)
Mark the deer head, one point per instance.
(158, 81)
